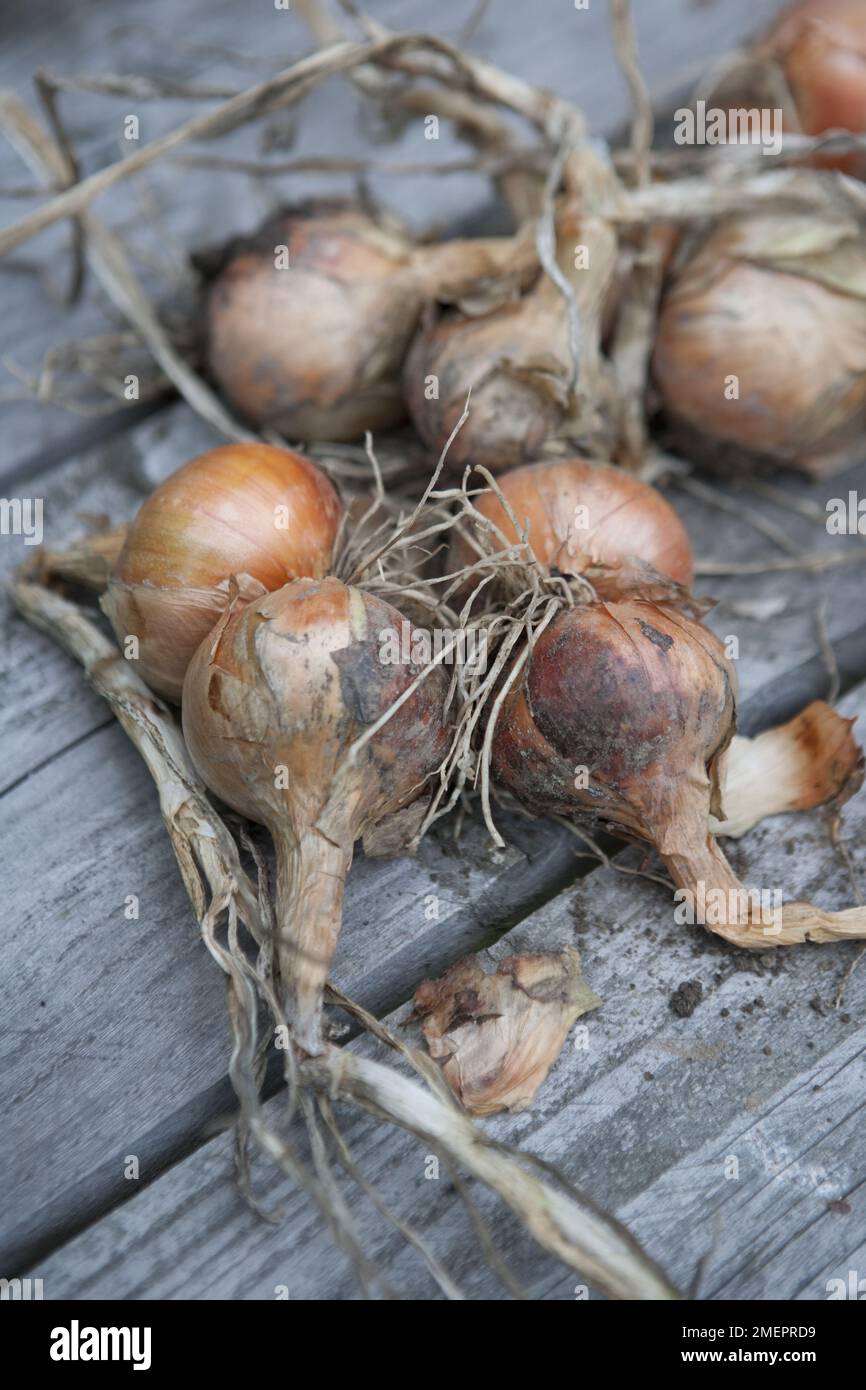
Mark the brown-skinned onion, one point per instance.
(247, 516)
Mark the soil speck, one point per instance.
(686, 999)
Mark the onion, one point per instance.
(625, 713)
(821, 47)
(315, 350)
(577, 511)
(641, 696)
(777, 302)
(279, 708)
(517, 360)
(246, 514)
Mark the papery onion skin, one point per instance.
(624, 518)
(290, 682)
(517, 361)
(821, 46)
(796, 346)
(625, 713)
(315, 351)
(247, 514)
(641, 697)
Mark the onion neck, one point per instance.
(311, 878)
(522, 191)
(753, 919)
(453, 268)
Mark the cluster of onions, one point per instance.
(309, 320)
(761, 340)
(518, 361)
(289, 714)
(820, 46)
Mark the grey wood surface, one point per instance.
(113, 1035)
(644, 1117)
(74, 784)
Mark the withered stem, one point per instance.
(743, 916)
(311, 878)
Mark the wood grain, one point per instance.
(644, 1116)
(113, 1037)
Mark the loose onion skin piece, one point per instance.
(642, 699)
(273, 702)
(744, 306)
(315, 351)
(214, 521)
(624, 518)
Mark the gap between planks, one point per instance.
(644, 1117)
(109, 479)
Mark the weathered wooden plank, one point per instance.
(114, 1030)
(798, 1189)
(570, 52)
(46, 710)
(643, 1118)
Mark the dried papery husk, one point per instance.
(578, 514)
(527, 389)
(776, 301)
(280, 712)
(497, 1035)
(246, 516)
(812, 760)
(624, 712)
(314, 350)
